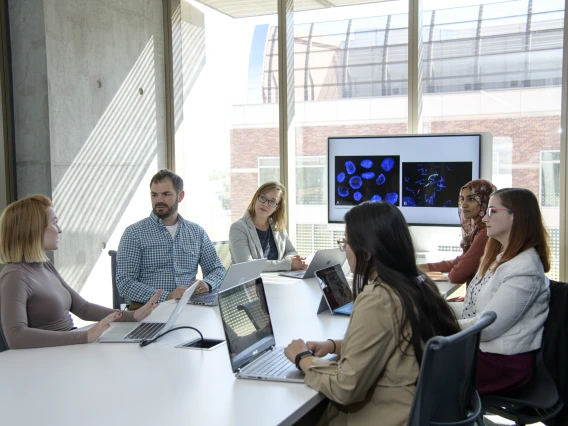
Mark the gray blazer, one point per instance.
(245, 245)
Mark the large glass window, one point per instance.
(230, 109)
(500, 71)
(351, 78)
(487, 66)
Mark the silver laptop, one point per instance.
(322, 259)
(250, 336)
(133, 332)
(336, 293)
(236, 274)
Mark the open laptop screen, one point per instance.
(334, 286)
(246, 321)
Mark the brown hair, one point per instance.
(164, 174)
(22, 225)
(527, 230)
(279, 216)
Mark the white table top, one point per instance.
(96, 384)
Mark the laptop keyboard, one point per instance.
(272, 364)
(206, 298)
(146, 330)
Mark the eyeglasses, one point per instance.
(492, 210)
(263, 200)
(342, 244)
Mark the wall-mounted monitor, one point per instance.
(420, 174)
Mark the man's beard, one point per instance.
(167, 213)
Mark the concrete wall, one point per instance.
(103, 111)
(2, 156)
(31, 112)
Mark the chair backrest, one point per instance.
(555, 337)
(446, 392)
(222, 248)
(117, 299)
(3, 343)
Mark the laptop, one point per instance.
(322, 259)
(236, 274)
(336, 293)
(133, 332)
(250, 336)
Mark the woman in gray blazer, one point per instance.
(511, 282)
(260, 232)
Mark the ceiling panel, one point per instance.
(248, 8)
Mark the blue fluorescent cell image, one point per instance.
(408, 202)
(356, 182)
(392, 197)
(360, 178)
(387, 164)
(381, 179)
(350, 167)
(343, 191)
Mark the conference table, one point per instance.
(103, 383)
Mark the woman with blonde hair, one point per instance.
(35, 301)
(511, 282)
(261, 232)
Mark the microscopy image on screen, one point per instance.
(367, 178)
(434, 184)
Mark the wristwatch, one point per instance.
(302, 355)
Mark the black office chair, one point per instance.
(536, 402)
(117, 299)
(540, 400)
(446, 393)
(3, 343)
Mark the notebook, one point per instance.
(336, 293)
(134, 332)
(236, 274)
(250, 336)
(322, 259)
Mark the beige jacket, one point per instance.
(374, 381)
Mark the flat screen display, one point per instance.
(420, 174)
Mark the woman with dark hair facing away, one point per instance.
(35, 301)
(472, 208)
(260, 232)
(396, 310)
(511, 282)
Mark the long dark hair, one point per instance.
(380, 239)
(527, 230)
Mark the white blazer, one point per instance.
(519, 293)
(245, 245)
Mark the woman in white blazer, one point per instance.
(511, 282)
(260, 232)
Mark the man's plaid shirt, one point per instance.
(148, 259)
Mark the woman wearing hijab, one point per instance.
(473, 202)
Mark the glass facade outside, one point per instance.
(487, 66)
